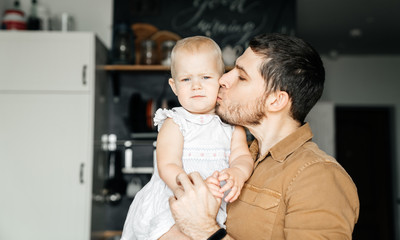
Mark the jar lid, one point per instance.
(148, 43)
(168, 43)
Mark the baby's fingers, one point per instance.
(212, 180)
(223, 176)
(228, 185)
(233, 195)
(215, 190)
(236, 196)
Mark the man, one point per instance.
(296, 190)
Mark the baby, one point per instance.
(191, 138)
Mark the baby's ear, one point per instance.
(171, 83)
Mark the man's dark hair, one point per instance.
(291, 65)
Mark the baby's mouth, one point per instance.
(198, 96)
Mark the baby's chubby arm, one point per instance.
(240, 166)
(169, 153)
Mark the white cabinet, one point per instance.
(46, 61)
(47, 99)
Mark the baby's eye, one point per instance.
(206, 77)
(185, 79)
(241, 78)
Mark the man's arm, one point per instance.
(322, 201)
(194, 207)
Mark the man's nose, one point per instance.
(225, 80)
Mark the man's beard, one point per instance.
(249, 114)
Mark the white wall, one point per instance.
(365, 81)
(322, 121)
(89, 15)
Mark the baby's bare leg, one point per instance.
(174, 234)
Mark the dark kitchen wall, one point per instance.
(231, 22)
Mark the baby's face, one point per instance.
(196, 81)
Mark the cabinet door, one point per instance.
(46, 61)
(45, 173)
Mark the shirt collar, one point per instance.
(280, 151)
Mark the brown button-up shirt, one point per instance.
(296, 192)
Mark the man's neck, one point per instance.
(272, 130)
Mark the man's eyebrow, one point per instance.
(241, 69)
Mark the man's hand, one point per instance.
(194, 207)
(235, 179)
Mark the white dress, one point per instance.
(207, 142)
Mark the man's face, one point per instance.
(241, 99)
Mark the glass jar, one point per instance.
(166, 49)
(148, 52)
(122, 45)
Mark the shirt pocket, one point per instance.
(254, 214)
(260, 197)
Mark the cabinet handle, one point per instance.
(81, 173)
(84, 74)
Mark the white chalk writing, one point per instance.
(197, 18)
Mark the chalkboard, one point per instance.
(228, 22)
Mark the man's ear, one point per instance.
(277, 101)
(171, 83)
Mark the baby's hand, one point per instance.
(235, 179)
(214, 185)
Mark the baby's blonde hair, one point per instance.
(195, 44)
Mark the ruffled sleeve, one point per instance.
(175, 114)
